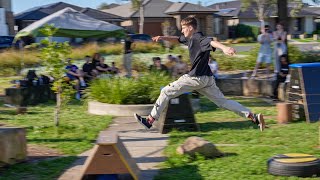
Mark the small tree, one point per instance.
(103, 6)
(260, 7)
(53, 55)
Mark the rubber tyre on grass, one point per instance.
(301, 165)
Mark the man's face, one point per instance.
(187, 30)
(283, 60)
(157, 63)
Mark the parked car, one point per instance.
(6, 41)
(140, 37)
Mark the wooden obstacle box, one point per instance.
(109, 158)
(177, 115)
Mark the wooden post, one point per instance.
(284, 112)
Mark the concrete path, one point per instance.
(145, 147)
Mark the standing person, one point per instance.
(127, 55)
(282, 76)
(265, 52)
(280, 48)
(199, 78)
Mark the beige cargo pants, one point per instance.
(205, 85)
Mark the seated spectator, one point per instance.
(180, 68)
(95, 60)
(282, 75)
(113, 69)
(88, 69)
(213, 66)
(75, 74)
(157, 66)
(170, 63)
(102, 67)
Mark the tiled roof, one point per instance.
(40, 12)
(186, 7)
(100, 14)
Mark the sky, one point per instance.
(21, 5)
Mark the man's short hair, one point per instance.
(284, 56)
(190, 21)
(156, 59)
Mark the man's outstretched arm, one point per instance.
(165, 38)
(226, 50)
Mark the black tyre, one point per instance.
(301, 165)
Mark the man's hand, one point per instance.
(156, 38)
(229, 51)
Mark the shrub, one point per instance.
(114, 49)
(228, 41)
(140, 47)
(120, 90)
(139, 65)
(242, 30)
(243, 40)
(12, 58)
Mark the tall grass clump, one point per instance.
(140, 47)
(13, 59)
(120, 90)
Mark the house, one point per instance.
(6, 18)
(29, 16)
(163, 17)
(230, 14)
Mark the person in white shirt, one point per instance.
(213, 66)
(265, 52)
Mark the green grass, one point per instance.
(247, 159)
(43, 170)
(245, 44)
(77, 132)
(306, 40)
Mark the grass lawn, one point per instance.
(307, 40)
(77, 132)
(247, 148)
(245, 44)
